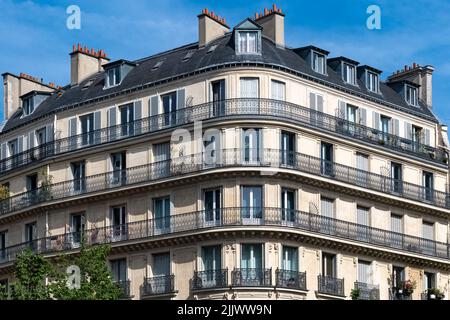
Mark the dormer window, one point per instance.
(113, 77)
(372, 82)
(248, 42)
(247, 37)
(318, 62)
(411, 95)
(349, 73)
(116, 71)
(28, 106)
(32, 100)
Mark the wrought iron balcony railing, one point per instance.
(158, 285)
(226, 108)
(330, 285)
(210, 279)
(125, 288)
(233, 217)
(398, 294)
(290, 279)
(367, 291)
(224, 159)
(251, 277)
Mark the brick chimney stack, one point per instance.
(85, 62)
(210, 27)
(421, 75)
(272, 22)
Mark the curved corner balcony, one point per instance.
(290, 220)
(229, 158)
(229, 108)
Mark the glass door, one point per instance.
(287, 207)
(212, 264)
(287, 148)
(127, 119)
(252, 272)
(252, 205)
(251, 142)
(218, 98)
(77, 227)
(162, 215)
(213, 207)
(119, 168)
(119, 227)
(169, 102)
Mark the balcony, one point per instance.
(227, 158)
(125, 288)
(280, 110)
(210, 279)
(251, 277)
(233, 217)
(160, 285)
(330, 286)
(290, 279)
(367, 291)
(398, 294)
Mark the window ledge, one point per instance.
(330, 296)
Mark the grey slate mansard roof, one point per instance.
(142, 76)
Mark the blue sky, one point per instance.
(34, 38)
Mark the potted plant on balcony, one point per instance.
(407, 287)
(435, 294)
(355, 293)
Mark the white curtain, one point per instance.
(363, 216)
(249, 88)
(428, 230)
(364, 274)
(396, 223)
(278, 90)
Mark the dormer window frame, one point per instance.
(318, 54)
(257, 40)
(370, 84)
(412, 100)
(112, 74)
(28, 106)
(345, 67)
(116, 69)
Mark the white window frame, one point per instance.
(349, 73)
(315, 63)
(247, 33)
(373, 82)
(411, 95)
(113, 71)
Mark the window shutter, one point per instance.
(327, 208)
(362, 216)
(181, 99)
(138, 116)
(19, 144)
(111, 113)
(154, 106)
(72, 133)
(428, 232)
(364, 272)
(4, 154)
(31, 138)
(376, 120)
(396, 127)
(319, 103)
(396, 224)
(408, 130)
(312, 101)
(111, 123)
(50, 132)
(363, 116)
(341, 107)
(97, 126)
(427, 137)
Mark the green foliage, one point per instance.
(31, 272)
(96, 280)
(38, 279)
(354, 294)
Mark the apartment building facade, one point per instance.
(234, 167)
